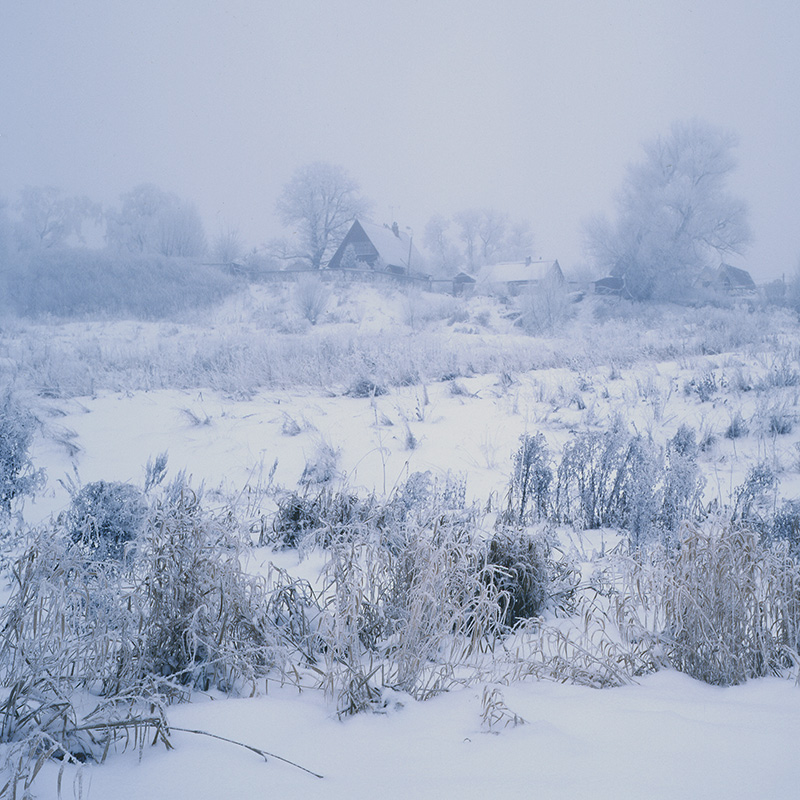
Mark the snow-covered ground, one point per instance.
(666, 736)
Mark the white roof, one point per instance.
(393, 249)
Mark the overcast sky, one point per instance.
(534, 107)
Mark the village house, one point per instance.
(378, 247)
(512, 277)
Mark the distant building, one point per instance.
(378, 247)
(463, 283)
(612, 286)
(511, 277)
(727, 279)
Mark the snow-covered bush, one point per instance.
(754, 500)
(722, 606)
(524, 572)
(203, 620)
(311, 298)
(529, 487)
(610, 479)
(179, 613)
(18, 477)
(321, 465)
(104, 516)
(786, 527)
(683, 482)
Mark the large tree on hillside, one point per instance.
(674, 214)
(319, 204)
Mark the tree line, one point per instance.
(674, 216)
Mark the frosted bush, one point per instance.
(311, 298)
(18, 477)
(104, 517)
(721, 607)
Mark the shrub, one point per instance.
(704, 386)
(682, 480)
(610, 479)
(737, 428)
(786, 527)
(723, 607)
(202, 618)
(321, 466)
(328, 515)
(311, 298)
(179, 613)
(364, 387)
(754, 499)
(104, 517)
(521, 572)
(17, 474)
(531, 478)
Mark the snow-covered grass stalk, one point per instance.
(721, 605)
(240, 358)
(136, 630)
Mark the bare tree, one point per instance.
(518, 242)
(48, 219)
(153, 221)
(492, 228)
(469, 222)
(319, 203)
(446, 256)
(228, 246)
(674, 214)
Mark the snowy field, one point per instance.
(108, 397)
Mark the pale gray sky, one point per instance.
(531, 106)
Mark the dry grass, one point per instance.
(721, 606)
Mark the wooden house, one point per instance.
(378, 247)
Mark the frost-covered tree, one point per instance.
(446, 256)
(674, 214)
(489, 236)
(319, 204)
(49, 219)
(468, 224)
(153, 221)
(227, 247)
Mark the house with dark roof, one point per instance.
(378, 247)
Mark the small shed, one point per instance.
(611, 286)
(462, 283)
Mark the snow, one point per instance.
(666, 737)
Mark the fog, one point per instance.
(532, 108)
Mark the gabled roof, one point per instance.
(392, 246)
(735, 278)
(519, 272)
